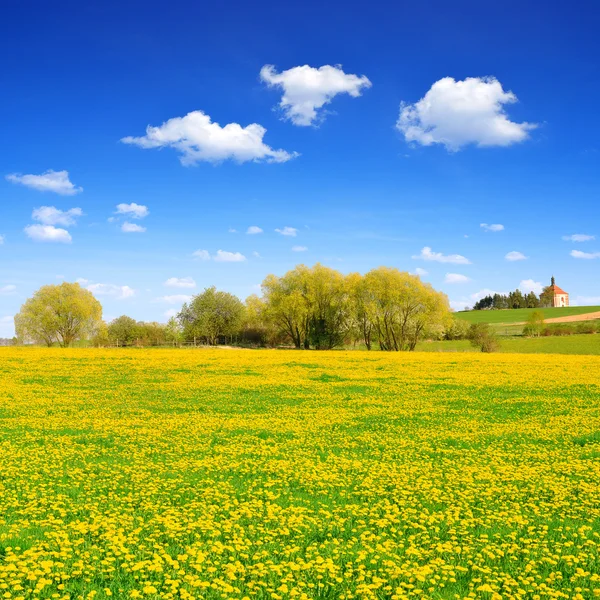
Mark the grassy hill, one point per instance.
(520, 315)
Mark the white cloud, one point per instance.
(232, 230)
(180, 282)
(5, 290)
(201, 255)
(48, 233)
(133, 210)
(458, 113)
(79, 280)
(171, 312)
(50, 215)
(456, 278)
(174, 299)
(459, 304)
(49, 181)
(291, 231)
(128, 227)
(299, 248)
(307, 89)
(253, 230)
(514, 255)
(585, 255)
(586, 301)
(492, 227)
(421, 272)
(197, 139)
(578, 237)
(110, 289)
(255, 253)
(427, 254)
(224, 256)
(529, 285)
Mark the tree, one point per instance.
(123, 331)
(547, 297)
(59, 313)
(173, 331)
(211, 315)
(360, 324)
(535, 324)
(482, 336)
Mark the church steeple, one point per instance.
(552, 281)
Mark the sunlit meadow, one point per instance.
(290, 474)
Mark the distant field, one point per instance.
(571, 344)
(520, 315)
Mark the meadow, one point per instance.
(520, 315)
(291, 474)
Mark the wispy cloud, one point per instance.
(299, 248)
(224, 256)
(585, 255)
(49, 181)
(180, 282)
(133, 210)
(290, 231)
(456, 278)
(429, 255)
(128, 227)
(493, 227)
(50, 215)
(120, 292)
(514, 256)
(253, 230)
(579, 237)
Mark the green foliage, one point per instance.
(482, 336)
(61, 313)
(535, 324)
(457, 330)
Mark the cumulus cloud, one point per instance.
(180, 282)
(120, 292)
(198, 139)
(429, 255)
(299, 248)
(514, 256)
(174, 299)
(529, 285)
(492, 227)
(484, 293)
(585, 255)
(49, 181)
(291, 231)
(578, 237)
(128, 227)
(458, 113)
(48, 233)
(201, 255)
(456, 278)
(307, 89)
(253, 230)
(421, 272)
(133, 210)
(6, 290)
(50, 215)
(224, 256)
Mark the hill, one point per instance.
(520, 315)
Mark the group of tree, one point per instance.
(308, 307)
(516, 299)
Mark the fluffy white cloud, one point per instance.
(529, 285)
(492, 227)
(429, 255)
(307, 89)
(458, 113)
(128, 227)
(180, 282)
(253, 230)
(578, 237)
(174, 299)
(120, 292)
(456, 278)
(484, 293)
(291, 231)
(50, 215)
(133, 210)
(49, 181)
(421, 272)
(224, 256)
(514, 256)
(48, 233)
(5, 290)
(201, 255)
(585, 255)
(299, 248)
(197, 139)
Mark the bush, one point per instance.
(458, 330)
(535, 324)
(586, 327)
(482, 336)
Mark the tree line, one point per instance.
(307, 307)
(516, 299)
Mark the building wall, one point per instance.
(561, 300)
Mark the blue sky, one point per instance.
(499, 125)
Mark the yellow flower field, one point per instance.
(290, 474)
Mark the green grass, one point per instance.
(570, 344)
(520, 315)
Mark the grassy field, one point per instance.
(298, 475)
(520, 315)
(571, 344)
